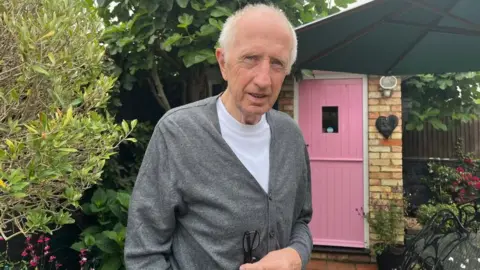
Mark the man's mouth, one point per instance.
(257, 95)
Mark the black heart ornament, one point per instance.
(386, 125)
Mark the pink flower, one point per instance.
(1, 238)
(58, 265)
(34, 262)
(47, 239)
(24, 253)
(460, 169)
(83, 261)
(52, 258)
(47, 247)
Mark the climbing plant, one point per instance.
(436, 97)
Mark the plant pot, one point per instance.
(391, 258)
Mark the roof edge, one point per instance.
(340, 14)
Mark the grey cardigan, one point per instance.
(193, 198)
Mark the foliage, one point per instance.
(454, 184)
(385, 219)
(452, 187)
(427, 211)
(104, 239)
(155, 41)
(437, 97)
(107, 237)
(56, 134)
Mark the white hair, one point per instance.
(228, 31)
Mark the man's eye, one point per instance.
(277, 64)
(251, 57)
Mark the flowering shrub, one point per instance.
(36, 254)
(454, 184)
(467, 186)
(452, 187)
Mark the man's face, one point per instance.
(256, 62)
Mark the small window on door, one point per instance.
(330, 119)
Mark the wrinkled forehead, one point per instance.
(265, 27)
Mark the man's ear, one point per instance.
(220, 54)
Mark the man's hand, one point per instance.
(283, 259)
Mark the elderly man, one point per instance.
(225, 181)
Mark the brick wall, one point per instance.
(285, 98)
(385, 156)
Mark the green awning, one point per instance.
(394, 37)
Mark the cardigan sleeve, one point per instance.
(301, 237)
(151, 215)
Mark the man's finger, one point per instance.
(249, 266)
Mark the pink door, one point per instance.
(331, 119)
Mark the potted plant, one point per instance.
(386, 222)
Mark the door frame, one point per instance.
(327, 75)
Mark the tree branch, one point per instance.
(157, 88)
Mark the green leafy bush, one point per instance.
(105, 240)
(55, 132)
(386, 222)
(427, 211)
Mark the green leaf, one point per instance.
(170, 41)
(89, 240)
(182, 3)
(77, 246)
(19, 195)
(131, 140)
(185, 20)
(20, 186)
(218, 24)
(207, 29)
(437, 124)
(68, 150)
(124, 199)
(112, 263)
(134, 123)
(117, 211)
(99, 197)
(197, 6)
(195, 57)
(107, 245)
(111, 235)
(51, 57)
(125, 127)
(210, 3)
(220, 11)
(40, 69)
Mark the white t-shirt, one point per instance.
(251, 143)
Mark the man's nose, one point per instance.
(262, 76)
